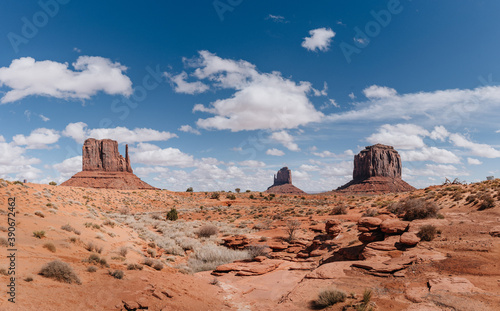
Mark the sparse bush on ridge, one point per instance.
(215, 196)
(59, 271)
(117, 274)
(172, 215)
(487, 202)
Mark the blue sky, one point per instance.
(221, 94)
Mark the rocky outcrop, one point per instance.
(283, 183)
(104, 167)
(102, 155)
(377, 169)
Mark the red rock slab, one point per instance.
(409, 239)
(452, 284)
(495, 232)
(277, 245)
(394, 226)
(248, 268)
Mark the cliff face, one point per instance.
(283, 183)
(377, 169)
(377, 161)
(104, 167)
(102, 155)
(283, 177)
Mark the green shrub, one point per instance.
(190, 189)
(329, 297)
(237, 190)
(17, 182)
(215, 195)
(427, 233)
(59, 271)
(172, 215)
(53, 183)
(231, 197)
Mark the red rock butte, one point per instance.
(104, 167)
(283, 183)
(377, 169)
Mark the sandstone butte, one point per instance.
(283, 183)
(104, 167)
(377, 169)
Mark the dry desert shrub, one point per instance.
(50, 246)
(207, 231)
(339, 210)
(123, 251)
(329, 297)
(427, 233)
(291, 229)
(209, 256)
(92, 269)
(3, 242)
(134, 266)
(93, 247)
(412, 209)
(487, 202)
(39, 234)
(59, 271)
(40, 214)
(257, 250)
(117, 274)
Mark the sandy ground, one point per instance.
(463, 250)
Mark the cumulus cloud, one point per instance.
(319, 39)
(153, 155)
(38, 139)
(481, 150)
(440, 170)
(260, 101)
(68, 168)
(252, 163)
(27, 77)
(275, 152)
(329, 154)
(445, 106)
(15, 162)
(189, 129)
(473, 161)
(182, 86)
(285, 139)
(309, 168)
(79, 132)
(400, 136)
(430, 154)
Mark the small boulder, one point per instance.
(409, 239)
(394, 226)
(333, 227)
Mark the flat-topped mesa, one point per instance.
(102, 155)
(377, 161)
(377, 169)
(283, 177)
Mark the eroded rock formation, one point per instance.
(377, 169)
(104, 167)
(283, 183)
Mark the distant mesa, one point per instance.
(377, 169)
(104, 167)
(283, 183)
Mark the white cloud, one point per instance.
(68, 168)
(481, 150)
(189, 129)
(352, 96)
(430, 154)
(362, 41)
(38, 139)
(443, 106)
(153, 155)
(14, 162)
(182, 86)
(440, 170)
(329, 154)
(44, 118)
(400, 136)
(261, 100)
(79, 132)
(275, 152)
(473, 161)
(309, 168)
(252, 163)
(319, 39)
(277, 18)
(376, 91)
(27, 77)
(285, 139)
(439, 133)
